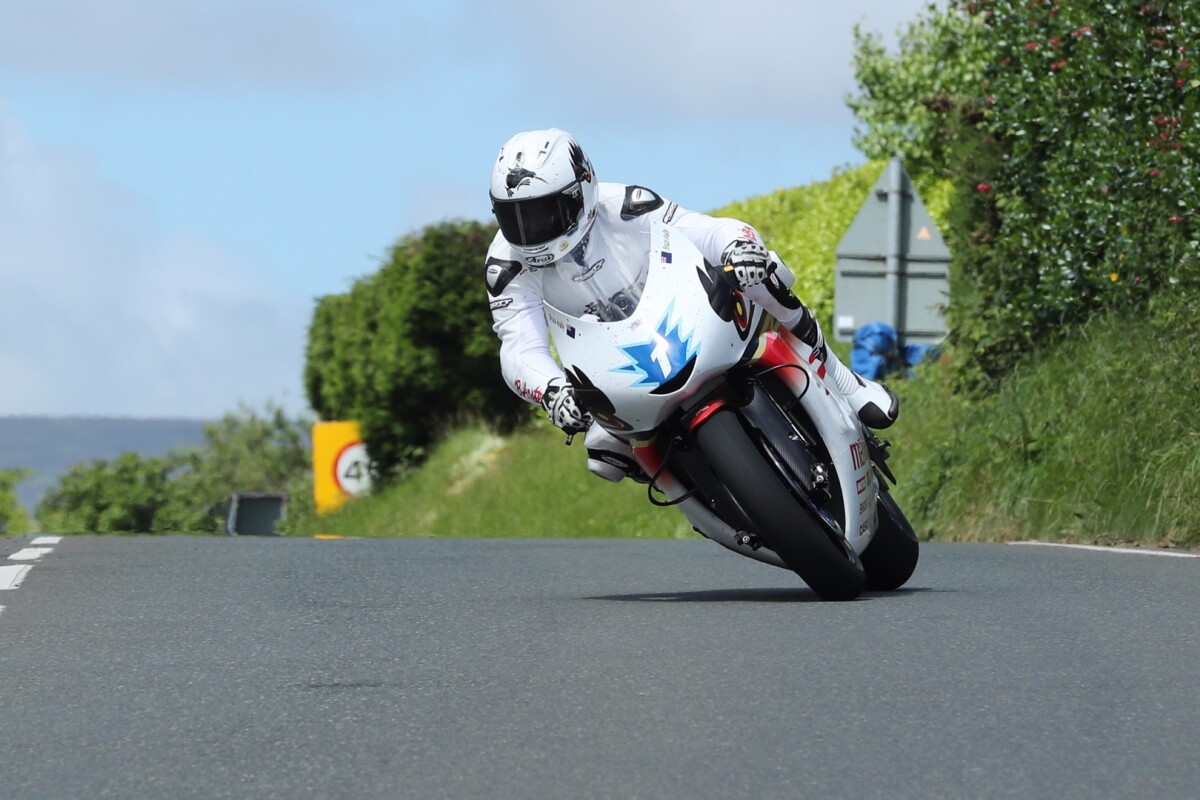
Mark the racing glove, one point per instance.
(565, 412)
(746, 263)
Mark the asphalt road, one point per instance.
(290, 668)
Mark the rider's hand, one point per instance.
(746, 263)
(565, 412)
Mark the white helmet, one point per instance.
(543, 194)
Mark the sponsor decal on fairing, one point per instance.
(589, 272)
(663, 356)
(858, 455)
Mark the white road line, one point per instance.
(46, 540)
(30, 553)
(11, 576)
(1137, 551)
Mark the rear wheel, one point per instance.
(814, 551)
(892, 555)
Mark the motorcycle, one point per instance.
(733, 423)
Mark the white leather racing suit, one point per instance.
(621, 232)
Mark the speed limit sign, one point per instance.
(352, 470)
(341, 466)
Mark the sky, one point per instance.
(181, 180)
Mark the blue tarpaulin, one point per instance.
(876, 352)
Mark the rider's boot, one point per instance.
(610, 458)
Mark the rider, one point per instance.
(554, 214)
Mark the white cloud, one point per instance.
(179, 41)
(707, 60)
(98, 315)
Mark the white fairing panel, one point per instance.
(633, 329)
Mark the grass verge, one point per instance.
(1092, 440)
(527, 485)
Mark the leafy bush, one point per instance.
(12, 517)
(100, 496)
(185, 491)
(1074, 161)
(904, 100)
(409, 351)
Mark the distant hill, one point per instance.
(49, 446)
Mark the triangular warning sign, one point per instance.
(867, 236)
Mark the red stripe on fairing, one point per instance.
(705, 413)
(776, 353)
(648, 457)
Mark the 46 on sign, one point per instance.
(341, 465)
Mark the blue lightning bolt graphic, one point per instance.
(657, 361)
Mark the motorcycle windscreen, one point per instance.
(606, 289)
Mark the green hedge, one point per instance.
(409, 352)
(1074, 155)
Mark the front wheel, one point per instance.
(891, 556)
(799, 537)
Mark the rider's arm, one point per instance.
(713, 236)
(518, 319)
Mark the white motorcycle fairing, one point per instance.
(671, 343)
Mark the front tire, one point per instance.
(804, 542)
(892, 555)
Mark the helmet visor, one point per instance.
(537, 220)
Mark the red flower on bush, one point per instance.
(984, 187)
(1174, 220)
(1154, 173)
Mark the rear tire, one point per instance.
(892, 555)
(804, 542)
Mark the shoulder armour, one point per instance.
(638, 201)
(500, 273)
